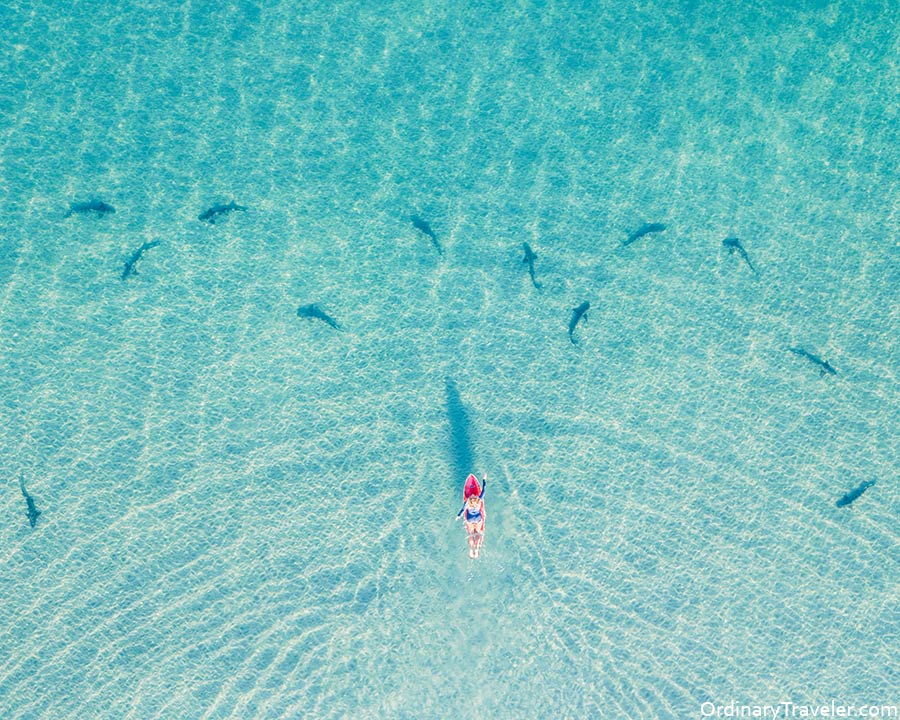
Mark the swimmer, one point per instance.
(473, 513)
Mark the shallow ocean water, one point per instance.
(250, 514)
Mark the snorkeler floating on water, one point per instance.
(473, 514)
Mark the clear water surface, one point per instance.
(248, 514)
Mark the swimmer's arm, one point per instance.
(460, 511)
(483, 485)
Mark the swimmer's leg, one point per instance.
(479, 538)
(473, 542)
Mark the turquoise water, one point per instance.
(246, 514)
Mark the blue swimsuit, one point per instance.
(472, 515)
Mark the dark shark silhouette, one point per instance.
(131, 263)
(644, 230)
(33, 512)
(824, 365)
(854, 494)
(733, 244)
(578, 314)
(90, 206)
(530, 257)
(315, 312)
(216, 211)
(423, 226)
